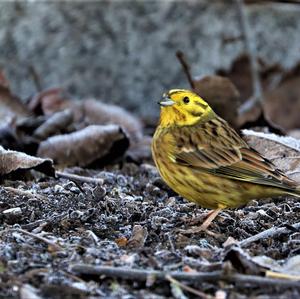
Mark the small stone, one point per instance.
(69, 185)
(12, 212)
(58, 189)
(99, 192)
(75, 214)
(75, 190)
(121, 180)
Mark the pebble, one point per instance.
(99, 192)
(12, 212)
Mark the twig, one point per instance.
(79, 178)
(35, 77)
(197, 277)
(187, 288)
(186, 68)
(273, 274)
(32, 225)
(251, 49)
(272, 232)
(25, 193)
(52, 245)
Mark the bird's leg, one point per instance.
(211, 216)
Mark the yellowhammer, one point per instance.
(204, 160)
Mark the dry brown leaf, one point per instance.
(54, 124)
(281, 92)
(241, 260)
(11, 106)
(140, 151)
(283, 156)
(94, 144)
(122, 241)
(220, 93)
(11, 161)
(138, 238)
(282, 104)
(99, 113)
(49, 101)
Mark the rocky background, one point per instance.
(124, 51)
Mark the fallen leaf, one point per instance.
(56, 123)
(138, 238)
(283, 151)
(122, 241)
(49, 101)
(241, 260)
(282, 104)
(11, 161)
(100, 113)
(220, 93)
(281, 92)
(140, 151)
(92, 146)
(11, 107)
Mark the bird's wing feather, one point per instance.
(231, 159)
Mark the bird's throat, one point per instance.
(171, 116)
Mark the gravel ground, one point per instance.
(131, 220)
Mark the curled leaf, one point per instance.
(11, 161)
(138, 238)
(54, 124)
(100, 113)
(11, 107)
(220, 93)
(283, 151)
(97, 145)
(49, 101)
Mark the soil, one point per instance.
(132, 220)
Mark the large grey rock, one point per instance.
(124, 51)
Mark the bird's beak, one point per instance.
(166, 102)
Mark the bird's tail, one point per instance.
(294, 192)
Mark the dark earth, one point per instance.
(131, 220)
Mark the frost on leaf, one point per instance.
(11, 161)
(94, 144)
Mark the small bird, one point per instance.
(202, 158)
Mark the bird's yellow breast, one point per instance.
(204, 189)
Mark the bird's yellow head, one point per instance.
(181, 107)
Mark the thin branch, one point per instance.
(197, 277)
(25, 193)
(79, 178)
(187, 288)
(251, 49)
(35, 78)
(269, 233)
(53, 246)
(186, 68)
(32, 225)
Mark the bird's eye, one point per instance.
(186, 100)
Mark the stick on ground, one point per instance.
(79, 178)
(269, 233)
(197, 277)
